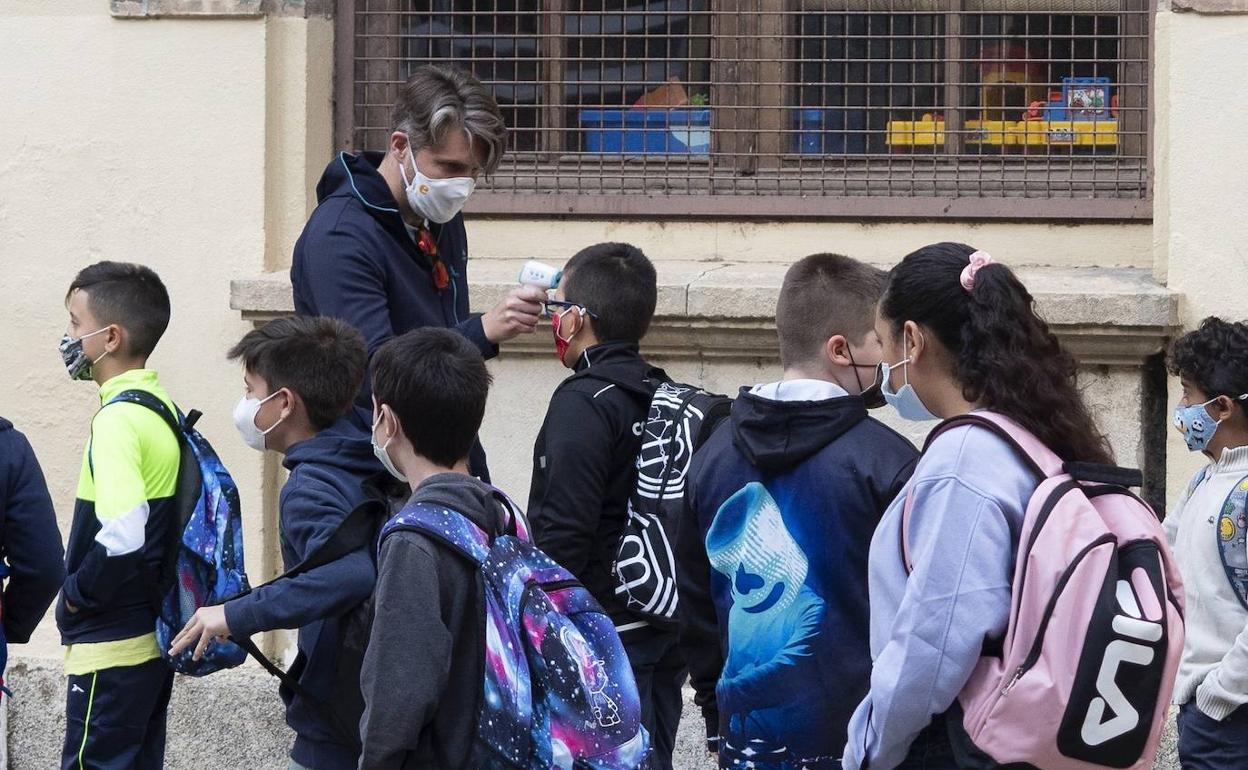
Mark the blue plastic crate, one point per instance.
(650, 131)
(830, 131)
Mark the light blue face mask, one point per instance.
(1197, 425)
(906, 400)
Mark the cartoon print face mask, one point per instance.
(1197, 425)
(749, 544)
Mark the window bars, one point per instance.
(782, 107)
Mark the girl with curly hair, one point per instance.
(1207, 532)
(965, 335)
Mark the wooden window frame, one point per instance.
(749, 28)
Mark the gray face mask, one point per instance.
(75, 358)
(382, 455)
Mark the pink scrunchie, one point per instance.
(978, 260)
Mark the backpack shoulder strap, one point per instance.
(1036, 456)
(451, 528)
(515, 522)
(176, 421)
(1196, 481)
(354, 532)
(1232, 534)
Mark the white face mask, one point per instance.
(437, 200)
(382, 455)
(245, 421)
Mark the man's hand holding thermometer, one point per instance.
(520, 309)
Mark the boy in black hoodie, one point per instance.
(785, 498)
(300, 376)
(422, 677)
(584, 457)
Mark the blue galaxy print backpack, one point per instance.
(558, 691)
(203, 559)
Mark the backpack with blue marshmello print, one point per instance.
(559, 692)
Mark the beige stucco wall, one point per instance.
(176, 143)
(884, 243)
(1201, 209)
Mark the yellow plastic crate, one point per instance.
(1066, 133)
(1057, 133)
(916, 133)
(993, 132)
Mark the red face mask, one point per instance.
(561, 345)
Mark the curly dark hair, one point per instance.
(1214, 358)
(1005, 356)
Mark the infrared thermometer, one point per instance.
(539, 274)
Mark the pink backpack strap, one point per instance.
(1042, 461)
(1039, 458)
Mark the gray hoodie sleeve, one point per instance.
(407, 663)
(957, 596)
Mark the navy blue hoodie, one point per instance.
(773, 582)
(327, 473)
(30, 541)
(357, 261)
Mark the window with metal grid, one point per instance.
(782, 107)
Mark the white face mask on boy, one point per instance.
(380, 451)
(245, 412)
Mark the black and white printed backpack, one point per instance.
(681, 417)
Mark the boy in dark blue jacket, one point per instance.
(300, 378)
(784, 499)
(30, 542)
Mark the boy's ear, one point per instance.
(574, 323)
(836, 350)
(294, 406)
(1225, 408)
(115, 339)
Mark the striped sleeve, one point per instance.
(121, 499)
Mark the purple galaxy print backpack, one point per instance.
(558, 689)
(203, 559)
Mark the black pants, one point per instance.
(115, 718)
(932, 749)
(660, 672)
(1207, 744)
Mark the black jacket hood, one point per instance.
(775, 435)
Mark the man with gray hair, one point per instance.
(386, 250)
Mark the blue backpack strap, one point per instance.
(449, 527)
(1232, 540)
(1196, 481)
(175, 422)
(150, 400)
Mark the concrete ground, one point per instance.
(232, 720)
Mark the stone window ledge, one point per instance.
(219, 9)
(1108, 316)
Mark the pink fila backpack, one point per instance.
(1083, 677)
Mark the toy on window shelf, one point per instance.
(1084, 113)
(1079, 99)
